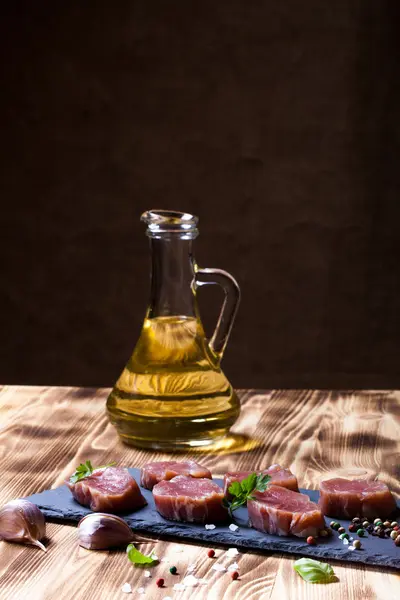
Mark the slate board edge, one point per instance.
(234, 540)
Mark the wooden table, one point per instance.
(46, 432)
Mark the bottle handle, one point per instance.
(229, 307)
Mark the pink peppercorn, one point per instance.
(211, 553)
(311, 540)
(160, 582)
(235, 575)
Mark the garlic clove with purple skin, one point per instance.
(100, 531)
(23, 522)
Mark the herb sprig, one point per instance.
(243, 490)
(85, 470)
(137, 558)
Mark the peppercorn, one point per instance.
(211, 553)
(366, 524)
(341, 530)
(396, 527)
(331, 524)
(323, 533)
(381, 533)
(335, 525)
(356, 520)
(311, 540)
(394, 535)
(353, 527)
(370, 528)
(393, 524)
(378, 522)
(173, 570)
(235, 575)
(397, 541)
(388, 531)
(360, 532)
(344, 536)
(160, 582)
(357, 544)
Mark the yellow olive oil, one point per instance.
(172, 393)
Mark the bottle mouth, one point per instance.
(164, 222)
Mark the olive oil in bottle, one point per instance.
(172, 393)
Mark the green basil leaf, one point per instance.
(137, 558)
(314, 571)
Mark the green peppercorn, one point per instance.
(335, 525)
(344, 536)
(173, 570)
(360, 532)
(357, 544)
(323, 533)
(378, 522)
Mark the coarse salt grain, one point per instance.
(209, 526)
(190, 581)
(351, 548)
(147, 574)
(141, 590)
(345, 542)
(202, 581)
(233, 527)
(154, 557)
(178, 587)
(191, 568)
(232, 552)
(126, 588)
(218, 567)
(233, 567)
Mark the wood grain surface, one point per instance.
(46, 432)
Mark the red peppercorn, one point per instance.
(160, 582)
(235, 575)
(311, 540)
(396, 528)
(211, 553)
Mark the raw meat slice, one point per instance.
(279, 476)
(281, 511)
(109, 490)
(190, 499)
(155, 472)
(346, 498)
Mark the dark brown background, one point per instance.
(276, 122)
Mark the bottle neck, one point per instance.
(172, 273)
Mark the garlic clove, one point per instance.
(100, 531)
(22, 521)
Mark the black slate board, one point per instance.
(59, 504)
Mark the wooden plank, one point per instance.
(46, 432)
